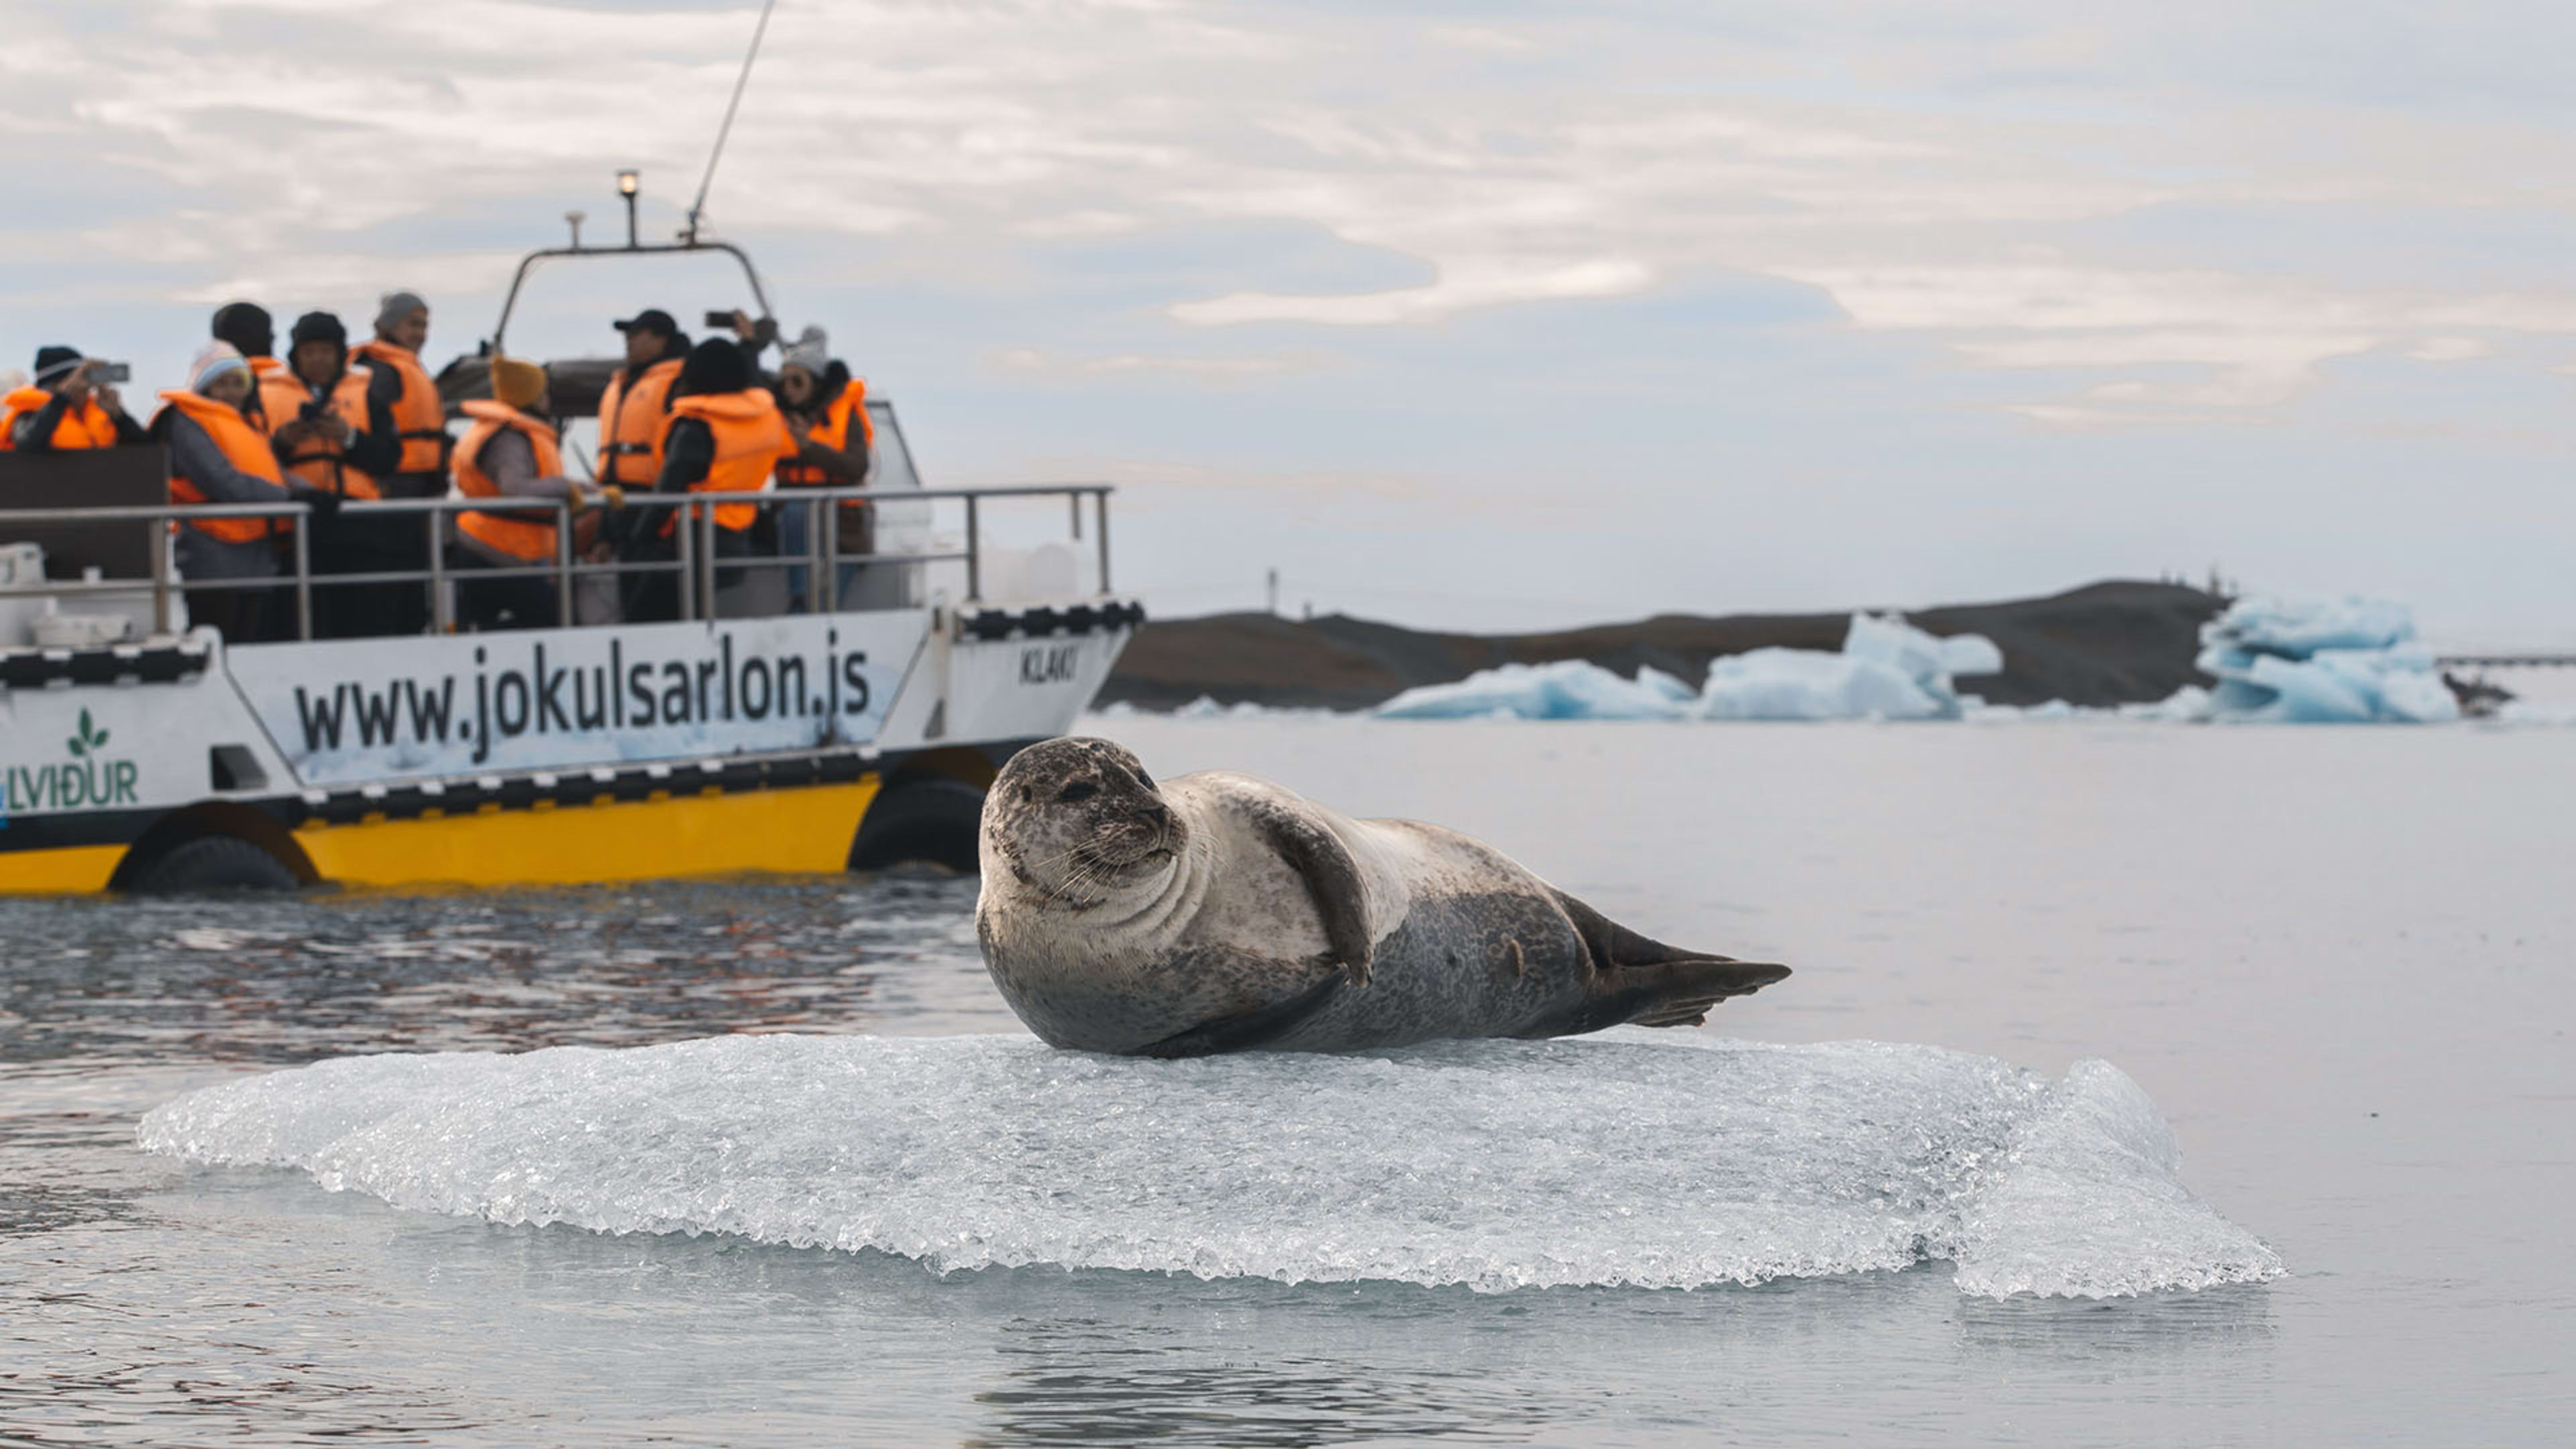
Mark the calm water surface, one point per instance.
(2339, 960)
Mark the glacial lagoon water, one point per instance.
(2082, 1007)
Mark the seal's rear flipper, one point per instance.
(1637, 979)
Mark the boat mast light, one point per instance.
(627, 181)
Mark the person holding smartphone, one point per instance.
(72, 403)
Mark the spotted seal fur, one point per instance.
(1216, 912)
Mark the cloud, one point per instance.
(1036, 362)
(1962, 181)
(1484, 40)
(1484, 283)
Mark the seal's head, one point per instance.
(1078, 820)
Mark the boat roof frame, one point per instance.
(687, 243)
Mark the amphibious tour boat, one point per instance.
(137, 754)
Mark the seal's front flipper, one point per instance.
(1249, 1031)
(1637, 979)
(1332, 879)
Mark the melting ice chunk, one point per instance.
(1888, 669)
(1564, 689)
(1628, 1158)
(2321, 661)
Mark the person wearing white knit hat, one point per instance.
(218, 455)
(826, 411)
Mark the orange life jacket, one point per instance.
(247, 448)
(519, 533)
(751, 436)
(319, 461)
(86, 426)
(833, 431)
(418, 414)
(256, 408)
(631, 421)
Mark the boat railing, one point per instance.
(695, 559)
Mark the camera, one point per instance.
(720, 319)
(314, 410)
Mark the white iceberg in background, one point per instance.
(1888, 669)
(1671, 687)
(2308, 661)
(2297, 628)
(1805, 684)
(1564, 689)
(1971, 654)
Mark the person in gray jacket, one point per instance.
(217, 455)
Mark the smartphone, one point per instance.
(112, 372)
(720, 319)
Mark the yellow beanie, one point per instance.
(519, 384)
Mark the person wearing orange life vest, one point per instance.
(635, 405)
(396, 377)
(511, 450)
(725, 437)
(826, 411)
(218, 454)
(65, 407)
(245, 327)
(332, 435)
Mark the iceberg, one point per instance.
(1632, 1158)
(1888, 669)
(2313, 661)
(1563, 689)
(1806, 684)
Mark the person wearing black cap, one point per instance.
(65, 407)
(632, 408)
(726, 436)
(246, 326)
(332, 435)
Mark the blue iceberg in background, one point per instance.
(1565, 689)
(2322, 661)
(1888, 669)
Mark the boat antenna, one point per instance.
(698, 207)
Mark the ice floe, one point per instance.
(1633, 1158)
(1887, 669)
(2320, 661)
(1564, 689)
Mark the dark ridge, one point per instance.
(2115, 642)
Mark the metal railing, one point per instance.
(696, 561)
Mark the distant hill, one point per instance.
(2108, 643)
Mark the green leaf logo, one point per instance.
(89, 738)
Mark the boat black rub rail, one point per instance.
(141, 663)
(587, 786)
(1042, 622)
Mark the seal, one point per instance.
(1216, 913)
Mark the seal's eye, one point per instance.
(1078, 790)
(1141, 777)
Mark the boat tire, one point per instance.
(213, 863)
(931, 819)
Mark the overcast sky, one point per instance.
(1487, 316)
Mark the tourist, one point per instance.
(397, 378)
(826, 412)
(219, 454)
(67, 405)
